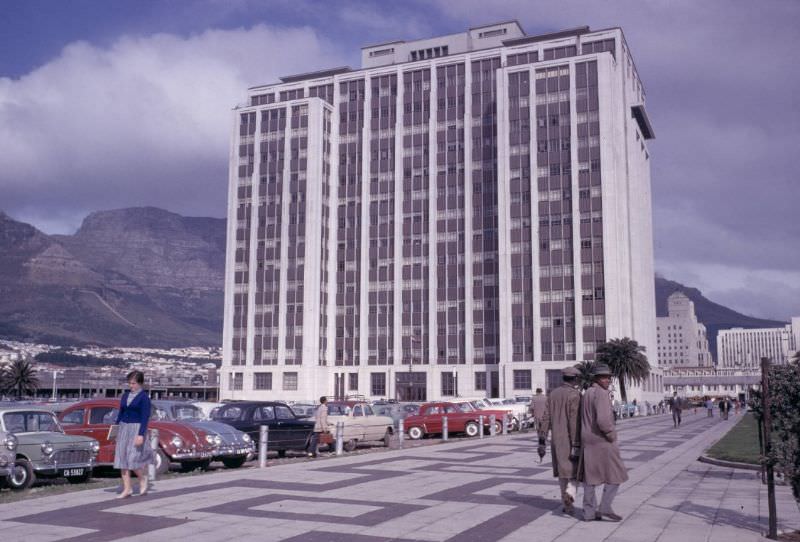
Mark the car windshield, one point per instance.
(186, 412)
(231, 413)
(30, 422)
(338, 410)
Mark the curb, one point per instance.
(729, 464)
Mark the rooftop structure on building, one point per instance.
(463, 215)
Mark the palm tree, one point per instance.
(19, 378)
(626, 359)
(585, 378)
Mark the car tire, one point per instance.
(82, 479)
(498, 428)
(233, 462)
(387, 438)
(22, 477)
(415, 433)
(350, 445)
(281, 453)
(162, 462)
(471, 429)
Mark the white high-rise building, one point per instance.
(740, 348)
(463, 216)
(682, 340)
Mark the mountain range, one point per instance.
(148, 277)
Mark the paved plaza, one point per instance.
(493, 489)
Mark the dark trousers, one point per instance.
(313, 443)
(676, 417)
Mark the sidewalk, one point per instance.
(468, 490)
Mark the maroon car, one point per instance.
(177, 442)
(459, 420)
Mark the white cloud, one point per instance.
(143, 122)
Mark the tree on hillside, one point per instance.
(585, 379)
(626, 359)
(19, 378)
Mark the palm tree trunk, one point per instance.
(622, 390)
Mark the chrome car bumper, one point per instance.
(234, 451)
(55, 469)
(192, 454)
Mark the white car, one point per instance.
(361, 424)
(518, 412)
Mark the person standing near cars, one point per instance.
(601, 462)
(320, 426)
(562, 419)
(537, 408)
(676, 405)
(133, 452)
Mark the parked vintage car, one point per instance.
(287, 431)
(361, 424)
(207, 407)
(177, 442)
(43, 450)
(8, 454)
(461, 418)
(396, 411)
(518, 412)
(231, 446)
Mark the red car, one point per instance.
(459, 420)
(177, 442)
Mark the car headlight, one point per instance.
(246, 438)
(217, 440)
(95, 447)
(209, 439)
(177, 441)
(10, 442)
(47, 448)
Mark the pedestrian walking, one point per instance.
(320, 426)
(736, 405)
(133, 452)
(710, 407)
(601, 462)
(537, 408)
(562, 420)
(676, 406)
(724, 406)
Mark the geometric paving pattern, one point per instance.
(465, 490)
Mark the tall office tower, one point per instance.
(462, 216)
(682, 340)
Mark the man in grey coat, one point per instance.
(537, 407)
(601, 462)
(320, 426)
(562, 419)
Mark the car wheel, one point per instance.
(281, 453)
(471, 429)
(498, 428)
(350, 445)
(82, 479)
(233, 462)
(415, 433)
(162, 462)
(387, 438)
(22, 476)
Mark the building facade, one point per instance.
(739, 348)
(682, 340)
(462, 216)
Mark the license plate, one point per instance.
(73, 472)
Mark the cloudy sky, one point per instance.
(108, 104)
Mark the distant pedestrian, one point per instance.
(601, 462)
(676, 406)
(133, 451)
(537, 407)
(724, 406)
(736, 405)
(320, 426)
(710, 407)
(562, 420)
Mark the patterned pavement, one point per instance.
(467, 490)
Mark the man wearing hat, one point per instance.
(601, 461)
(562, 419)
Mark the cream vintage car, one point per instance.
(361, 424)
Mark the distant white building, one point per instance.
(744, 348)
(682, 340)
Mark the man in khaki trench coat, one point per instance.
(601, 461)
(562, 418)
(537, 407)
